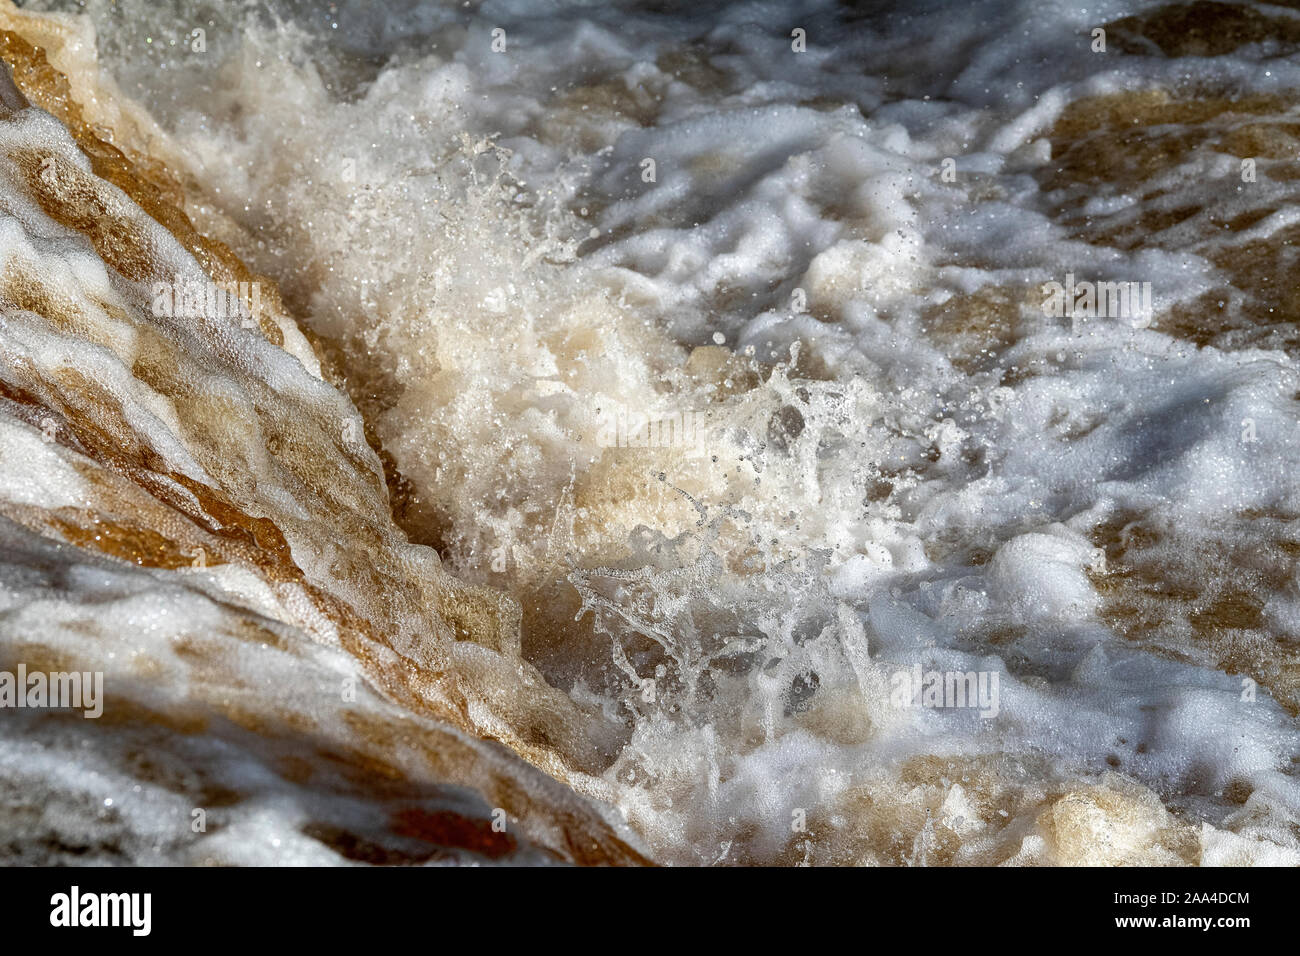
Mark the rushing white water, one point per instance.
(824, 269)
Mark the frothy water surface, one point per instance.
(716, 386)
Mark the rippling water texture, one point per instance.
(624, 400)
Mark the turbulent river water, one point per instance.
(751, 433)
